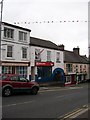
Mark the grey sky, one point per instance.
(71, 34)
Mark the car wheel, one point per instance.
(7, 92)
(34, 91)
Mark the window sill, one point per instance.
(6, 38)
(24, 59)
(23, 41)
(9, 58)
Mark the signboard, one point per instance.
(15, 64)
(44, 63)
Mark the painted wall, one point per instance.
(44, 56)
(79, 69)
(17, 45)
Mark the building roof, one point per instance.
(15, 26)
(69, 56)
(43, 43)
(72, 57)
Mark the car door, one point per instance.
(15, 83)
(25, 84)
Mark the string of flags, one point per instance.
(41, 22)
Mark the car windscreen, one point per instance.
(3, 77)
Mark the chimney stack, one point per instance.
(76, 50)
(61, 47)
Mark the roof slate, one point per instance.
(43, 43)
(72, 57)
(69, 56)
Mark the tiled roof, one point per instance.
(43, 43)
(69, 56)
(72, 57)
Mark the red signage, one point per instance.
(44, 63)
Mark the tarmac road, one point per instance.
(50, 102)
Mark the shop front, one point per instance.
(20, 68)
(81, 77)
(44, 71)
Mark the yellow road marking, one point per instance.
(73, 113)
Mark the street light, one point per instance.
(0, 35)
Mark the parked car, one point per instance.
(12, 83)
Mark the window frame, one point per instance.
(8, 33)
(24, 53)
(58, 57)
(69, 67)
(48, 55)
(37, 54)
(10, 52)
(22, 36)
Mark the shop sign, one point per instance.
(15, 64)
(44, 63)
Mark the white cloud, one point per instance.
(70, 34)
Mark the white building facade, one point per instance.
(15, 56)
(34, 58)
(45, 58)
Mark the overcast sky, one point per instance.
(35, 15)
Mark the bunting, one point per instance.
(48, 22)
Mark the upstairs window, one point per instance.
(80, 68)
(24, 52)
(69, 67)
(48, 55)
(58, 57)
(8, 33)
(9, 51)
(37, 54)
(22, 36)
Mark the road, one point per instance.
(50, 103)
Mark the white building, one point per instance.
(31, 57)
(45, 59)
(15, 55)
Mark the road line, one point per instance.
(17, 104)
(83, 111)
(75, 88)
(73, 113)
(65, 95)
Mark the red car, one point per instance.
(16, 83)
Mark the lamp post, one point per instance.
(0, 35)
(1, 3)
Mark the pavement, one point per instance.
(47, 87)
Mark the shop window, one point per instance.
(22, 70)
(8, 69)
(68, 78)
(22, 36)
(24, 52)
(44, 71)
(48, 55)
(8, 33)
(9, 51)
